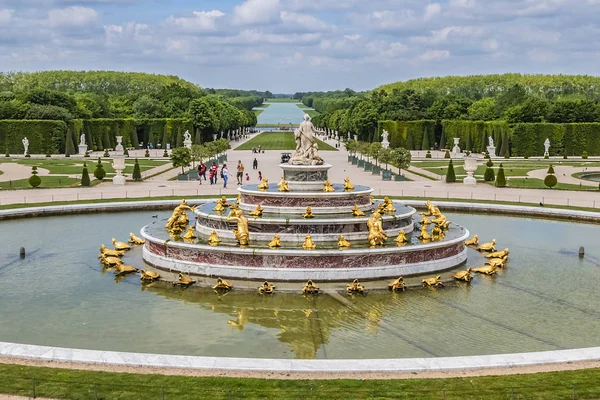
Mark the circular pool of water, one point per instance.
(545, 299)
(590, 176)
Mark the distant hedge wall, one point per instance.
(528, 139)
(409, 134)
(581, 137)
(474, 135)
(45, 137)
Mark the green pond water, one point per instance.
(546, 299)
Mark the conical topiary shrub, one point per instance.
(106, 153)
(584, 155)
(34, 180)
(99, 172)
(137, 174)
(551, 170)
(500, 178)
(165, 153)
(447, 154)
(428, 155)
(147, 153)
(85, 176)
(126, 152)
(550, 179)
(489, 176)
(450, 175)
(86, 154)
(7, 153)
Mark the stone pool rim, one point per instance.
(397, 365)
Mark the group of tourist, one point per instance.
(214, 173)
(257, 149)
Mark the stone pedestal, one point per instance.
(187, 144)
(470, 167)
(492, 151)
(82, 149)
(305, 177)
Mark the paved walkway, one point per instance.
(14, 171)
(564, 174)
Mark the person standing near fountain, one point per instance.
(225, 174)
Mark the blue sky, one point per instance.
(301, 45)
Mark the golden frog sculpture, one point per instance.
(308, 243)
(120, 246)
(242, 233)
(497, 262)
(437, 233)
(266, 288)
(425, 221)
(488, 246)
(327, 187)
(258, 211)
(310, 287)
(184, 280)
(121, 269)
(439, 220)
(397, 286)
(149, 275)
(308, 213)
(356, 212)
(377, 236)
(431, 209)
(347, 185)
(224, 202)
(371, 199)
(464, 276)
(497, 254)
(355, 287)
(219, 207)
(401, 238)
(283, 185)
(238, 199)
(190, 234)
(222, 285)
(424, 235)
(343, 243)
(474, 241)
(486, 269)
(432, 282)
(134, 239)
(178, 221)
(275, 242)
(110, 252)
(213, 239)
(388, 205)
(264, 184)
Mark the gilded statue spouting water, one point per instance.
(398, 285)
(213, 239)
(377, 235)
(221, 205)
(184, 280)
(497, 254)
(497, 262)
(283, 185)
(327, 187)
(258, 212)
(110, 252)
(310, 287)
(488, 246)
(125, 269)
(264, 184)
(190, 234)
(308, 243)
(224, 202)
(178, 222)
(424, 236)
(401, 238)
(388, 205)
(134, 239)
(356, 212)
(120, 246)
(464, 276)
(486, 269)
(276, 242)
(266, 288)
(474, 241)
(343, 243)
(149, 276)
(308, 213)
(425, 221)
(222, 285)
(242, 233)
(348, 187)
(355, 287)
(432, 282)
(431, 209)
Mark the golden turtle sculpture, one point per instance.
(398, 285)
(149, 276)
(125, 269)
(134, 239)
(464, 276)
(488, 246)
(266, 288)
(121, 246)
(497, 254)
(486, 269)
(497, 262)
(110, 252)
(432, 282)
(184, 280)
(110, 260)
(310, 287)
(222, 285)
(355, 287)
(474, 241)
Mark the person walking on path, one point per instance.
(259, 176)
(240, 172)
(225, 174)
(255, 163)
(201, 172)
(213, 173)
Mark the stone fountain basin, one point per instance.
(321, 228)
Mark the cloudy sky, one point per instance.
(301, 45)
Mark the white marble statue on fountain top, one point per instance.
(25, 142)
(306, 152)
(384, 142)
(547, 147)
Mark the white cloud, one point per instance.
(434, 55)
(304, 21)
(5, 15)
(255, 12)
(352, 37)
(462, 3)
(201, 21)
(75, 16)
(491, 44)
(431, 11)
(448, 33)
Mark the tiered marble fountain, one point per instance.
(306, 178)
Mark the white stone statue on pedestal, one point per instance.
(348, 136)
(470, 167)
(385, 143)
(491, 148)
(83, 147)
(306, 146)
(547, 148)
(25, 142)
(119, 162)
(187, 140)
(456, 149)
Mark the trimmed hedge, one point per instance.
(45, 136)
(474, 135)
(528, 139)
(409, 134)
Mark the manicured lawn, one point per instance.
(302, 106)
(532, 183)
(48, 181)
(312, 113)
(257, 112)
(73, 166)
(74, 384)
(264, 105)
(278, 141)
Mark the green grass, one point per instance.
(421, 175)
(257, 112)
(264, 105)
(281, 100)
(68, 166)
(278, 141)
(312, 113)
(274, 125)
(533, 183)
(75, 384)
(302, 106)
(48, 181)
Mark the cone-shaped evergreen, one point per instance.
(489, 176)
(501, 179)
(137, 174)
(447, 155)
(126, 152)
(147, 153)
(551, 170)
(165, 153)
(85, 176)
(34, 180)
(106, 153)
(99, 172)
(425, 143)
(428, 155)
(450, 175)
